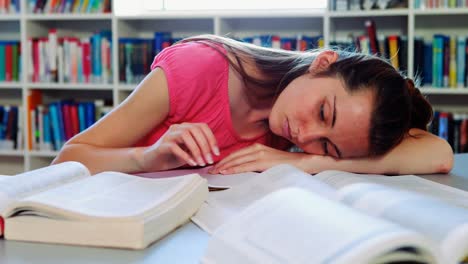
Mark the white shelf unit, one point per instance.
(332, 25)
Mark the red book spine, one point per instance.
(36, 60)
(2, 226)
(464, 136)
(8, 62)
(74, 119)
(372, 34)
(66, 120)
(86, 61)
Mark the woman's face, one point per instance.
(321, 117)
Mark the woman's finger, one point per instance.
(203, 142)
(244, 167)
(188, 140)
(242, 152)
(211, 138)
(181, 154)
(235, 159)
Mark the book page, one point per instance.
(445, 224)
(107, 194)
(222, 205)
(296, 226)
(411, 183)
(28, 183)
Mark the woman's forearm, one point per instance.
(422, 154)
(98, 159)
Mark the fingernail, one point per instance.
(216, 151)
(201, 162)
(192, 162)
(223, 171)
(209, 158)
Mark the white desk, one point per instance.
(185, 245)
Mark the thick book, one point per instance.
(64, 204)
(284, 215)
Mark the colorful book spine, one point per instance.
(453, 63)
(437, 70)
(461, 61)
(393, 51)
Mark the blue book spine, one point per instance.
(54, 124)
(461, 61)
(159, 39)
(438, 59)
(90, 5)
(6, 113)
(417, 4)
(427, 63)
(90, 114)
(2, 113)
(81, 116)
(96, 56)
(68, 6)
(60, 123)
(443, 126)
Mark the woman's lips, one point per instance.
(286, 129)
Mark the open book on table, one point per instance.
(284, 215)
(64, 204)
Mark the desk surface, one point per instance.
(186, 245)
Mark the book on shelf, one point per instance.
(284, 215)
(367, 5)
(52, 124)
(10, 61)
(428, 4)
(10, 7)
(11, 127)
(452, 127)
(70, 59)
(64, 204)
(68, 6)
(444, 60)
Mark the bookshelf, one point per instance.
(333, 25)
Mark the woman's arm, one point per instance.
(420, 153)
(107, 145)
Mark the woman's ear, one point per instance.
(323, 61)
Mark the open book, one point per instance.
(284, 215)
(64, 204)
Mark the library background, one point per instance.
(66, 63)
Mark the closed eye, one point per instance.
(325, 147)
(322, 112)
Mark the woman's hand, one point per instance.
(186, 143)
(257, 157)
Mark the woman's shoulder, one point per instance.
(192, 55)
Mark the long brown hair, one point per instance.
(398, 105)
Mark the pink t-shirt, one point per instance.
(197, 77)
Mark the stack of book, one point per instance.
(70, 59)
(10, 7)
(442, 62)
(52, 124)
(10, 127)
(10, 62)
(423, 4)
(452, 127)
(69, 6)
